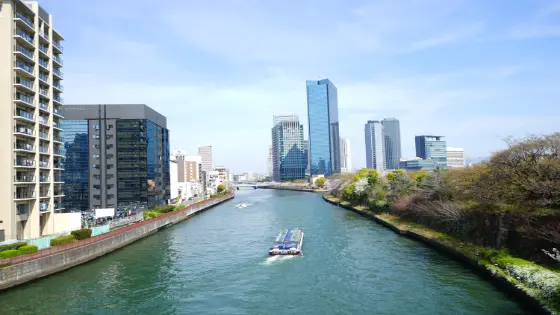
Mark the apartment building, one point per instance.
(31, 98)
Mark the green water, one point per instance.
(216, 263)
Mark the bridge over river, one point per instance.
(248, 185)
(216, 263)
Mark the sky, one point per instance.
(474, 71)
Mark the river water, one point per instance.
(216, 263)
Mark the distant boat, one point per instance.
(288, 242)
(242, 205)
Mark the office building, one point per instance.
(123, 150)
(416, 164)
(288, 161)
(31, 99)
(306, 156)
(432, 148)
(322, 113)
(392, 135)
(345, 158)
(375, 145)
(455, 158)
(269, 162)
(205, 152)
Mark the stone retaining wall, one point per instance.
(20, 269)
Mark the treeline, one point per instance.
(511, 201)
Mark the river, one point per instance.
(216, 263)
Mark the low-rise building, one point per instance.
(455, 158)
(417, 164)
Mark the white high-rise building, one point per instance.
(31, 109)
(205, 152)
(455, 157)
(375, 145)
(345, 158)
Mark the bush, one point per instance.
(81, 234)
(12, 246)
(9, 253)
(27, 249)
(165, 209)
(320, 182)
(61, 240)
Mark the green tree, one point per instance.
(320, 182)
(221, 189)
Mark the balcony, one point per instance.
(44, 194)
(43, 178)
(44, 64)
(44, 150)
(24, 162)
(24, 69)
(58, 152)
(24, 38)
(58, 139)
(24, 99)
(43, 121)
(20, 50)
(58, 112)
(44, 207)
(25, 20)
(58, 206)
(43, 77)
(56, 125)
(24, 84)
(58, 179)
(44, 107)
(21, 114)
(58, 99)
(24, 131)
(58, 166)
(58, 60)
(22, 146)
(24, 179)
(44, 92)
(56, 44)
(44, 49)
(44, 135)
(44, 164)
(58, 193)
(58, 73)
(24, 194)
(43, 37)
(58, 87)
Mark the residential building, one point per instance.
(31, 98)
(123, 150)
(173, 181)
(212, 182)
(432, 148)
(455, 157)
(322, 113)
(375, 145)
(205, 153)
(417, 164)
(392, 135)
(288, 161)
(222, 175)
(345, 158)
(269, 161)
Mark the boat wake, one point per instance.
(242, 205)
(277, 259)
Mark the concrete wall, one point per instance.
(67, 222)
(54, 259)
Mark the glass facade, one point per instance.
(288, 157)
(76, 158)
(142, 163)
(432, 148)
(392, 134)
(322, 112)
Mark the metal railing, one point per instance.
(24, 146)
(44, 48)
(24, 114)
(58, 59)
(44, 135)
(58, 45)
(44, 106)
(24, 130)
(24, 162)
(44, 63)
(24, 51)
(24, 178)
(58, 73)
(44, 149)
(25, 19)
(25, 98)
(24, 82)
(25, 36)
(24, 194)
(44, 77)
(27, 68)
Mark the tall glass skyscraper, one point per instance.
(322, 113)
(375, 145)
(288, 157)
(392, 134)
(432, 148)
(75, 164)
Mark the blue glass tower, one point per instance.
(322, 113)
(76, 162)
(432, 148)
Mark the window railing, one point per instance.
(58, 152)
(25, 98)
(43, 120)
(25, 19)
(58, 45)
(24, 130)
(44, 63)
(58, 59)
(44, 135)
(24, 82)
(44, 48)
(58, 193)
(58, 138)
(58, 165)
(43, 164)
(44, 77)
(24, 114)
(24, 194)
(44, 149)
(24, 66)
(58, 99)
(24, 51)
(24, 178)
(58, 72)
(24, 146)
(25, 36)
(44, 92)
(58, 179)
(43, 178)
(58, 112)
(44, 193)
(44, 106)
(59, 86)
(56, 125)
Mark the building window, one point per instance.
(95, 166)
(95, 136)
(96, 127)
(95, 156)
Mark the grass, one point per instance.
(537, 281)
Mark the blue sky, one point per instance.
(475, 71)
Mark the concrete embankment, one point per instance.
(21, 269)
(499, 280)
(293, 188)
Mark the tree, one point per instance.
(221, 188)
(320, 182)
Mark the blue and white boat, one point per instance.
(288, 242)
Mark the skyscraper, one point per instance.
(30, 114)
(306, 155)
(432, 148)
(345, 158)
(205, 152)
(375, 145)
(288, 161)
(322, 113)
(392, 134)
(119, 152)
